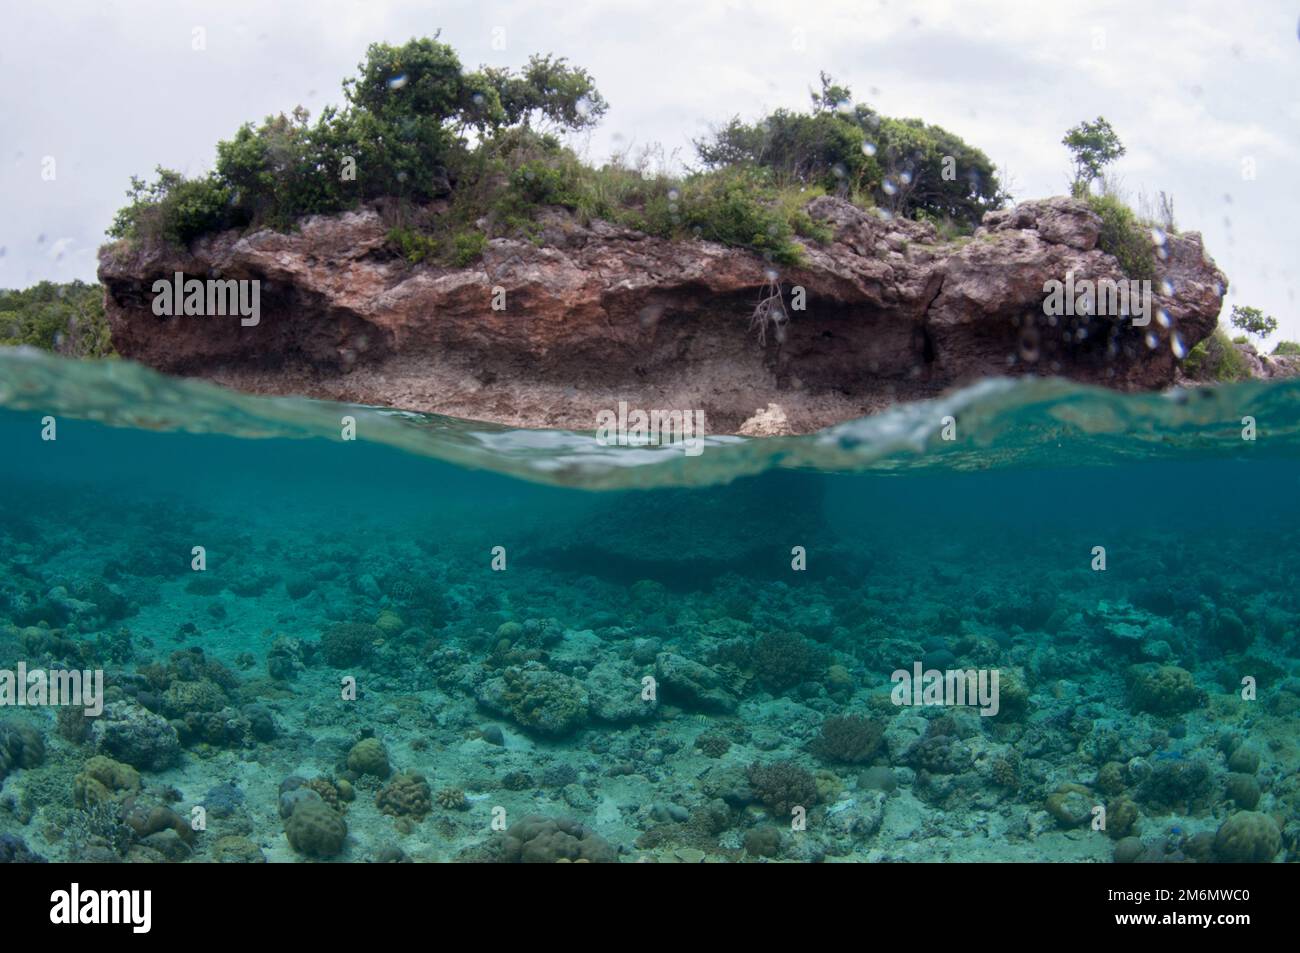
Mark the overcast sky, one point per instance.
(1198, 91)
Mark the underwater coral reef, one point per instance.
(651, 676)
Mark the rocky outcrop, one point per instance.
(549, 333)
(1268, 366)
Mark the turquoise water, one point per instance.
(649, 677)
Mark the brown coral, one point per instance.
(544, 840)
(782, 786)
(849, 739)
(452, 799)
(406, 795)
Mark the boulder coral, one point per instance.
(1164, 690)
(369, 757)
(316, 830)
(545, 840)
(1247, 837)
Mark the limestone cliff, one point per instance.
(594, 314)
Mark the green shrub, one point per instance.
(467, 248)
(414, 246)
(541, 184)
(193, 208)
(457, 250)
(174, 208)
(738, 206)
(904, 165)
(1287, 349)
(1123, 236)
(1216, 359)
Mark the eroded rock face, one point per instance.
(597, 314)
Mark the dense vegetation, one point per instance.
(1124, 236)
(1216, 359)
(460, 156)
(902, 165)
(66, 318)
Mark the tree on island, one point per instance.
(1094, 145)
(1253, 321)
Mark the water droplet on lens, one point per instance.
(1166, 286)
(397, 82)
(869, 148)
(1177, 346)
(1029, 345)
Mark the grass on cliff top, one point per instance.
(504, 188)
